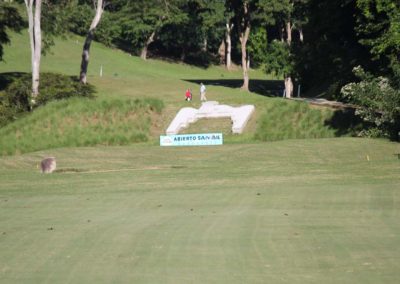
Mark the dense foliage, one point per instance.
(173, 28)
(379, 28)
(9, 19)
(377, 103)
(377, 92)
(16, 99)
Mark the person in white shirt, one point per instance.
(202, 92)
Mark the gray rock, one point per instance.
(48, 165)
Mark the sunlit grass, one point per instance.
(81, 122)
(293, 121)
(127, 77)
(293, 211)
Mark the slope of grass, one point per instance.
(294, 211)
(81, 122)
(127, 77)
(123, 75)
(293, 121)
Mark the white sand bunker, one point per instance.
(239, 116)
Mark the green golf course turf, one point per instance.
(295, 211)
(292, 211)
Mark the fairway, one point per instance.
(295, 211)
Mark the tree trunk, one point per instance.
(205, 45)
(289, 33)
(243, 41)
(244, 36)
(301, 35)
(288, 78)
(222, 52)
(29, 10)
(288, 87)
(35, 38)
(38, 49)
(183, 54)
(88, 41)
(228, 49)
(143, 54)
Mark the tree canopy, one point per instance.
(10, 18)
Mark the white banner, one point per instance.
(205, 139)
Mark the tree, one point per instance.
(242, 10)
(378, 25)
(288, 23)
(141, 21)
(376, 93)
(280, 61)
(331, 47)
(286, 15)
(89, 37)
(277, 13)
(34, 10)
(261, 13)
(378, 103)
(211, 20)
(257, 46)
(80, 16)
(228, 44)
(39, 43)
(9, 19)
(199, 33)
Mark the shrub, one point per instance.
(6, 113)
(378, 103)
(17, 96)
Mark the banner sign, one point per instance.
(205, 139)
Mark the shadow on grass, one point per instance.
(7, 78)
(268, 88)
(345, 122)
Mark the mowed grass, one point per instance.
(124, 75)
(295, 211)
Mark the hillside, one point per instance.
(127, 77)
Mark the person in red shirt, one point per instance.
(188, 95)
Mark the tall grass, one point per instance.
(277, 120)
(293, 120)
(81, 122)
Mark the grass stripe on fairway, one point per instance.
(300, 211)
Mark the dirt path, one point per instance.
(324, 102)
